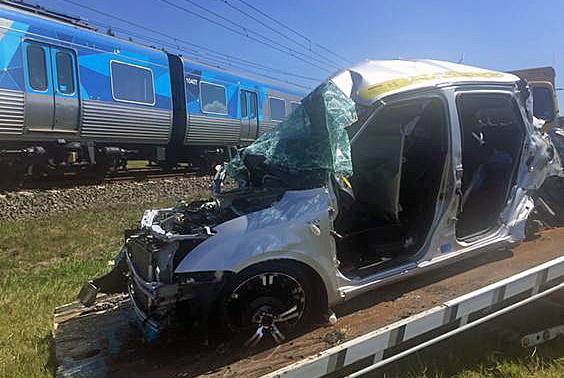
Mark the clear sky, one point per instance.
(501, 35)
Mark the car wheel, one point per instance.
(269, 300)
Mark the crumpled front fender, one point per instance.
(295, 228)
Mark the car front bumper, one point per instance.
(159, 306)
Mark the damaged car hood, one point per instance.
(196, 220)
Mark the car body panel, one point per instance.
(295, 228)
(372, 81)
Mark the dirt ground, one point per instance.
(183, 356)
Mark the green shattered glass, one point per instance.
(302, 151)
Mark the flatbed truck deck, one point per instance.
(371, 330)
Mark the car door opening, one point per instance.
(492, 133)
(398, 162)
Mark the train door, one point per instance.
(39, 99)
(66, 93)
(249, 115)
(51, 102)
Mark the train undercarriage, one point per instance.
(63, 157)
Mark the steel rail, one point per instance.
(84, 178)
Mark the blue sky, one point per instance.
(500, 35)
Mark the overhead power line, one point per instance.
(218, 57)
(226, 58)
(203, 58)
(260, 35)
(295, 32)
(284, 35)
(290, 51)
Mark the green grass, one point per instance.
(44, 263)
(26, 318)
(547, 362)
(510, 361)
(37, 244)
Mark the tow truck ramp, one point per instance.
(382, 346)
(89, 342)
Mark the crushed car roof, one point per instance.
(371, 80)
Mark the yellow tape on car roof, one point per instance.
(376, 90)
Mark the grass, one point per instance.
(43, 264)
(37, 244)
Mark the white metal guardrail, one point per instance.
(382, 346)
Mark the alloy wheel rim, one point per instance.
(266, 305)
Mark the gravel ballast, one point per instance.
(41, 204)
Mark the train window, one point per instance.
(132, 83)
(65, 76)
(277, 109)
(244, 104)
(37, 67)
(294, 105)
(213, 98)
(254, 104)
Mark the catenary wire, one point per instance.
(260, 35)
(218, 55)
(204, 55)
(291, 52)
(264, 14)
(197, 56)
(284, 35)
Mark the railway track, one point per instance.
(59, 181)
(150, 173)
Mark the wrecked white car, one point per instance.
(387, 169)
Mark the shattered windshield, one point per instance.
(302, 151)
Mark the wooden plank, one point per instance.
(86, 338)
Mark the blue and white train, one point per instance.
(72, 97)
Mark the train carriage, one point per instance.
(215, 107)
(73, 97)
(64, 84)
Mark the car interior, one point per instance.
(387, 206)
(492, 140)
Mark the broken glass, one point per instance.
(302, 151)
